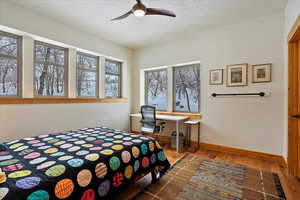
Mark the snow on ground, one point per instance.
(160, 101)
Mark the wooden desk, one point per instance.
(177, 119)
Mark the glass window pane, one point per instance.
(86, 79)
(86, 83)
(49, 77)
(156, 89)
(8, 77)
(112, 86)
(87, 62)
(112, 67)
(44, 53)
(187, 88)
(49, 80)
(8, 45)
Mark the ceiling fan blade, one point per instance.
(122, 16)
(156, 11)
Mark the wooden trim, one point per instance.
(293, 99)
(59, 101)
(241, 152)
(294, 34)
(293, 108)
(190, 115)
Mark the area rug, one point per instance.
(204, 179)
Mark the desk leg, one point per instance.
(177, 136)
(198, 136)
(190, 135)
(130, 124)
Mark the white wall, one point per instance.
(26, 120)
(251, 123)
(292, 11)
(30, 120)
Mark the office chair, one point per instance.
(149, 122)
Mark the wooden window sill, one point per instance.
(190, 115)
(58, 101)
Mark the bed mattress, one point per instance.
(86, 164)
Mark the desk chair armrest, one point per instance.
(147, 122)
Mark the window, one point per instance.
(112, 79)
(10, 64)
(87, 75)
(186, 88)
(156, 89)
(50, 70)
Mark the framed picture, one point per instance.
(237, 75)
(216, 77)
(262, 73)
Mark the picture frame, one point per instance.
(216, 77)
(262, 73)
(237, 75)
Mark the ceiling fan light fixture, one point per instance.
(140, 10)
(139, 13)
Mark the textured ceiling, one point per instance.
(94, 16)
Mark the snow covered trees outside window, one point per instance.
(187, 88)
(10, 58)
(156, 89)
(112, 79)
(87, 75)
(50, 70)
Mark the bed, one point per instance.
(86, 164)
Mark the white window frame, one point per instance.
(97, 71)
(26, 76)
(65, 66)
(113, 74)
(174, 88)
(19, 59)
(170, 83)
(146, 85)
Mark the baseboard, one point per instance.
(241, 152)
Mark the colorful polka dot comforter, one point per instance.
(85, 164)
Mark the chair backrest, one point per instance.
(148, 116)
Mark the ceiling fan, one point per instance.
(140, 10)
